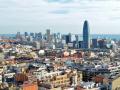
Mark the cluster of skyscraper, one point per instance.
(58, 40)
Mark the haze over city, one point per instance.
(59, 45)
(59, 15)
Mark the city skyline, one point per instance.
(59, 45)
(59, 16)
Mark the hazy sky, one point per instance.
(59, 15)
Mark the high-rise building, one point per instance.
(94, 43)
(18, 35)
(77, 41)
(26, 34)
(32, 34)
(80, 44)
(86, 35)
(48, 35)
(54, 37)
(38, 36)
(58, 36)
(68, 38)
(30, 38)
(102, 43)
